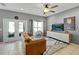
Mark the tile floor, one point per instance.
(13, 48)
(16, 48)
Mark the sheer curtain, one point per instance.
(30, 26)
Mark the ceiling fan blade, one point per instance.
(54, 6)
(52, 11)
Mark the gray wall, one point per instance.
(59, 18)
(11, 14)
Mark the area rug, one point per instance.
(51, 49)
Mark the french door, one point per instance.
(13, 29)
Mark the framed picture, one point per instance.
(69, 23)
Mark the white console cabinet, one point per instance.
(65, 37)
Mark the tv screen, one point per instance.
(57, 27)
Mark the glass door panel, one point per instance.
(20, 28)
(11, 29)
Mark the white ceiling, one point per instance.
(37, 8)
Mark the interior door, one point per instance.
(12, 29)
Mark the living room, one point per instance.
(39, 29)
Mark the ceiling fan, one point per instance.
(48, 8)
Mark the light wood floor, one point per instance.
(72, 49)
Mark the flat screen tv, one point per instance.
(57, 27)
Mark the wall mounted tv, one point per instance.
(57, 27)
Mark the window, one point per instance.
(37, 26)
(40, 26)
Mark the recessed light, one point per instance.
(21, 9)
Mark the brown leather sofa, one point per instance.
(35, 47)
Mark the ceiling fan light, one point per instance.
(46, 10)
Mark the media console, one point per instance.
(61, 36)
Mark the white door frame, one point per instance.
(5, 29)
